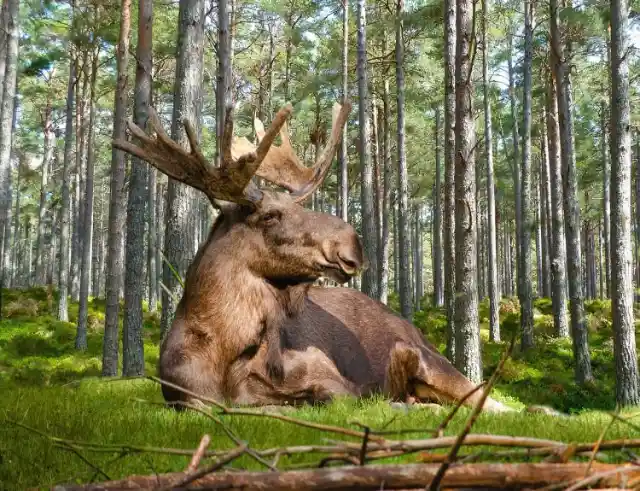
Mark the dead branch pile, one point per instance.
(347, 465)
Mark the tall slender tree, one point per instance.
(527, 218)
(48, 147)
(561, 54)
(467, 328)
(7, 110)
(404, 222)
(187, 103)
(438, 284)
(449, 172)
(494, 307)
(115, 256)
(558, 254)
(87, 231)
(343, 200)
(624, 341)
(369, 233)
(134, 284)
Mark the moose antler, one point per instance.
(241, 159)
(229, 182)
(282, 167)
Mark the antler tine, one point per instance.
(189, 167)
(323, 163)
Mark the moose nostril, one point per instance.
(348, 262)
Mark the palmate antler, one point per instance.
(241, 159)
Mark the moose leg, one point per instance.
(308, 376)
(411, 376)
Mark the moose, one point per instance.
(251, 328)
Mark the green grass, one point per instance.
(48, 386)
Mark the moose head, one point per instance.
(284, 241)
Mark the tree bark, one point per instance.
(187, 103)
(515, 135)
(134, 287)
(115, 259)
(527, 221)
(545, 192)
(343, 162)
(466, 308)
(624, 342)
(449, 173)
(438, 284)
(579, 333)
(47, 129)
(558, 253)
(386, 191)
(7, 116)
(606, 198)
(224, 71)
(369, 234)
(406, 306)
(87, 230)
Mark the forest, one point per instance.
(471, 167)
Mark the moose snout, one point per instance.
(351, 256)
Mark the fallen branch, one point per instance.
(375, 477)
(197, 455)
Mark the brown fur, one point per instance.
(251, 329)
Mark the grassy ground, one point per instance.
(48, 386)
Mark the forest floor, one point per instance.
(51, 392)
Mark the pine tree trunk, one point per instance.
(369, 233)
(438, 284)
(152, 233)
(558, 253)
(15, 255)
(527, 224)
(606, 199)
(115, 258)
(187, 104)
(449, 173)
(63, 272)
(47, 129)
(467, 329)
(343, 180)
(135, 252)
(624, 342)
(570, 197)
(386, 192)
(78, 191)
(98, 243)
(539, 243)
(545, 192)
(7, 117)
(224, 70)
(87, 229)
(516, 167)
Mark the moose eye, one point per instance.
(271, 217)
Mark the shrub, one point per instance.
(544, 305)
(22, 307)
(510, 305)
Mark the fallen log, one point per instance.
(375, 477)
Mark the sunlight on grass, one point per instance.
(50, 387)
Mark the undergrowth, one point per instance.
(50, 387)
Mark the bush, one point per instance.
(22, 307)
(544, 305)
(509, 305)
